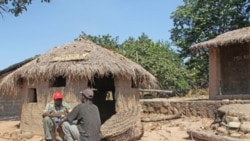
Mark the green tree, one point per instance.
(105, 40)
(159, 59)
(199, 20)
(15, 7)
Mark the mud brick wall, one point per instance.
(204, 108)
(10, 106)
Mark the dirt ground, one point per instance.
(169, 130)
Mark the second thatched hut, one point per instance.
(229, 64)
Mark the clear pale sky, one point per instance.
(46, 25)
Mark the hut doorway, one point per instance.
(104, 96)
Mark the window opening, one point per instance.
(59, 81)
(20, 82)
(133, 84)
(32, 95)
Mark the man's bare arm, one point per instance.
(51, 114)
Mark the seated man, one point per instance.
(88, 120)
(52, 115)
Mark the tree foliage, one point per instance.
(199, 20)
(155, 57)
(15, 7)
(104, 40)
(159, 59)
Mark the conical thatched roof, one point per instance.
(239, 36)
(80, 59)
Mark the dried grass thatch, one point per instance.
(239, 36)
(120, 123)
(79, 59)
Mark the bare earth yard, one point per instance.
(169, 130)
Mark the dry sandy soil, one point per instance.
(169, 130)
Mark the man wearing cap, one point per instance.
(52, 115)
(88, 120)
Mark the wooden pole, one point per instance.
(155, 90)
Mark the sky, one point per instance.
(46, 25)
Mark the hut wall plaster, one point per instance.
(126, 97)
(214, 73)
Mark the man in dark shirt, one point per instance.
(88, 120)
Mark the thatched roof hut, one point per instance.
(239, 36)
(75, 66)
(229, 63)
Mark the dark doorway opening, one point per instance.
(104, 96)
